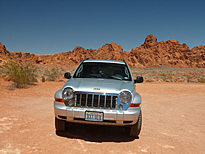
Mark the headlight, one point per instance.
(68, 94)
(125, 97)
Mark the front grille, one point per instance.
(96, 100)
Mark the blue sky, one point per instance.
(51, 26)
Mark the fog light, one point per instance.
(120, 106)
(70, 103)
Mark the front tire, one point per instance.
(60, 125)
(135, 129)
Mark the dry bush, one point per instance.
(52, 75)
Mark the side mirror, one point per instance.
(139, 79)
(67, 75)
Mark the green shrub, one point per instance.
(164, 75)
(22, 74)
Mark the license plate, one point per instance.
(93, 116)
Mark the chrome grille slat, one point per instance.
(80, 100)
(111, 102)
(95, 100)
(98, 100)
(105, 102)
(92, 99)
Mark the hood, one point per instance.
(99, 85)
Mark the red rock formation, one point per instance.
(150, 53)
(169, 53)
(3, 52)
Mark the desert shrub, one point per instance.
(43, 79)
(22, 74)
(10, 87)
(1, 70)
(202, 80)
(164, 75)
(52, 75)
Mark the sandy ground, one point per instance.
(173, 122)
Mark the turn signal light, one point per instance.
(135, 105)
(59, 100)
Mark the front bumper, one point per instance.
(111, 117)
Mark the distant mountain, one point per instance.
(150, 53)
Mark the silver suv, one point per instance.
(100, 92)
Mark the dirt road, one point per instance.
(173, 122)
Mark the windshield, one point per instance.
(103, 70)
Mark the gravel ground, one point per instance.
(172, 115)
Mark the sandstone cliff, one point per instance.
(169, 53)
(150, 53)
